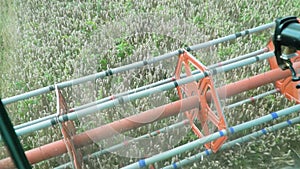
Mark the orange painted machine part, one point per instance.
(204, 113)
(68, 130)
(286, 86)
(58, 147)
(252, 82)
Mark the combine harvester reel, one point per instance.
(199, 101)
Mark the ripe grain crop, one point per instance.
(45, 42)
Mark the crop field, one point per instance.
(45, 42)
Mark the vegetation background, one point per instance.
(45, 42)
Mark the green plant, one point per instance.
(124, 49)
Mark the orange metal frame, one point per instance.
(205, 114)
(68, 130)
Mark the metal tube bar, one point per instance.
(212, 137)
(29, 123)
(239, 58)
(252, 99)
(232, 143)
(124, 99)
(125, 143)
(232, 36)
